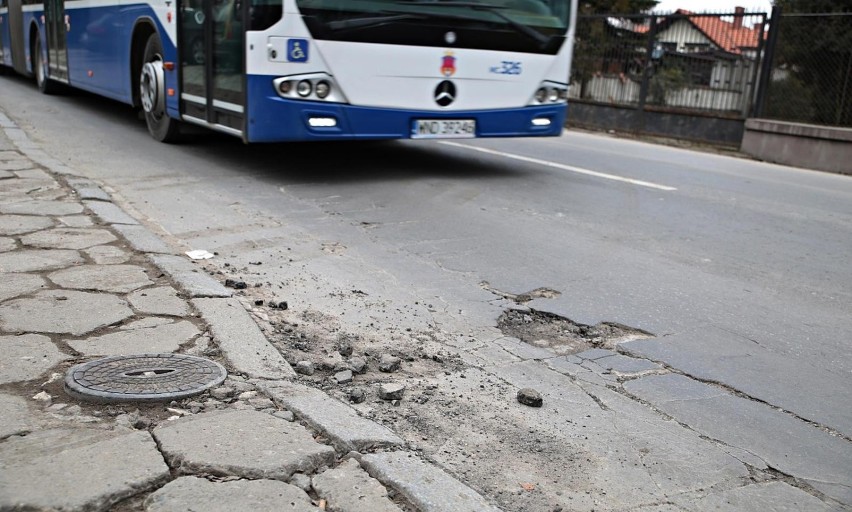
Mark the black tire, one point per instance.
(41, 70)
(162, 127)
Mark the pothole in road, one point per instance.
(563, 335)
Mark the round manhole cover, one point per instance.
(143, 378)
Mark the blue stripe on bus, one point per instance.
(272, 118)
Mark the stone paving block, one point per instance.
(14, 416)
(32, 260)
(12, 190)
(16, 164)
(241, 341)
(14, 285)
(7, 244)
(348, 488)
(107, 255)
(784, 442)
(42, 208)
(109, 213)
(88, 189)
(68, 238)
(62, 312)
(142, 239)
(190, 277)
(244, 443)
(774, 496)
(26, 357)
(102, 278)
(426, 486)
(624, 364)
(190, 493)
(138, 340)
(339, 422)
(11, 225)
(162, 300)
(80, 473)
(76, 221)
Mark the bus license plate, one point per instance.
(444, 129)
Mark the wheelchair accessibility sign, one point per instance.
(297, 50)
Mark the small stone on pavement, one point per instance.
(530, 397)
(391, 391)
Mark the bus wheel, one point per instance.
(153, 95)
(45, 84)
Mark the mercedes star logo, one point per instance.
(445, 93)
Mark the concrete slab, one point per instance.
(80, 473)
(798, 384)
(69, 238)
(107, 255)
(786, 443)
(241, 341)
(63, 312)
(33, 260)
(348, 488)
(162, 300)
(136, 338)
(627, 365)
(7, 244)
(109, 213)
(244, 443)
(190, 278)
(102, 278)
(336, 420)
(42, 208)
(14, 416)
(770, 496)
(15, 285)
(595, 353)
(11, 225)
(27, 357)
(192, 493)
(425, 485)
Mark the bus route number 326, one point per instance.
(444, 129)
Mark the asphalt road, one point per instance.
(741, 270)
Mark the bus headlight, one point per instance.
(323, 89)
(550, 93)
(310, 87)
(304, 88)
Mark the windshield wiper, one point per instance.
(371, 21)
(530, 32)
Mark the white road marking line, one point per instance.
(564, 167)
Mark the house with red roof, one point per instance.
(718, 52)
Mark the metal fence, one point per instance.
(811, 74)
(683, 62)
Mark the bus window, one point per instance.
(264, 13)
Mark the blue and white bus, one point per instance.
(284, 70)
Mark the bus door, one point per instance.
(16, 31)
(57, 24)
(211, 42)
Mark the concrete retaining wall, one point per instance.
(800, 145)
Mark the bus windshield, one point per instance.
(536, 26)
